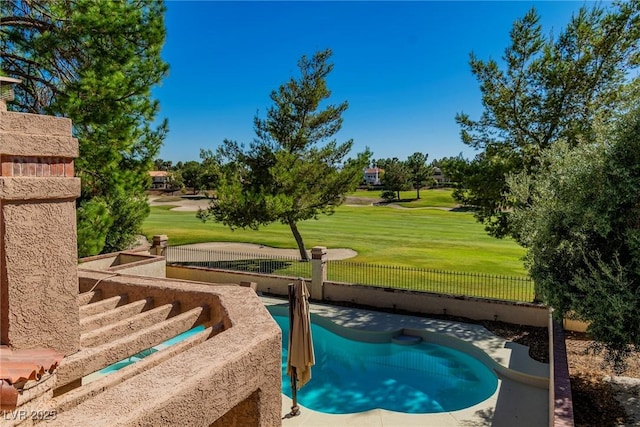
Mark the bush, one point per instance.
(388, 195)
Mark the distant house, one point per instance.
(160, 180)
(373, 176)
(439, 177)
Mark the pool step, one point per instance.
(406, 339)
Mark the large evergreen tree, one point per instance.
(558, 168)
(550, 89)
(94, 61)
(293, 171)
(580, 223)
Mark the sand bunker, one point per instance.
(332, 254)
(186, 205)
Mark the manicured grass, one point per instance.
(426, 238)
(428, 198)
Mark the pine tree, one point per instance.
(551, 89)
(95, 62)
(293, 171)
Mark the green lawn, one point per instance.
(428, 198)
(426, 238)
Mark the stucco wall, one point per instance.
(47, 135)
(421, 302)
(39, 285)
(235, 368)
(472, 308)
(153, 268)
(141, 264)
(266, 283)
(234, 375)
(99, 262)
(38, 223)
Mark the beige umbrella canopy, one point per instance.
(300, 357)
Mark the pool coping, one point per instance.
(521, 396)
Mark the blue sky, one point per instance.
(402, 66)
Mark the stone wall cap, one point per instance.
(39, 188)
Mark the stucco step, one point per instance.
(103, 305)
(71, 399)
(92, 359)
(88, 297)
(119, 313)
(119, 329)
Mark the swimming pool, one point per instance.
(351, 376)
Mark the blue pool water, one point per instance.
(351, 376)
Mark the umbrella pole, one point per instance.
(295, 410)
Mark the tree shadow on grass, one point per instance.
(393, 201)
(462, 209)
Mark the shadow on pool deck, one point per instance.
(513, 403)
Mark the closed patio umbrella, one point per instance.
(300, 357)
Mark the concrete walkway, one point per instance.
(521, 398)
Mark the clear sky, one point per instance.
(402, 66)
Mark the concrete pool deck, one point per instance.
(521, 398)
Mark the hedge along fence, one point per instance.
(505, 288)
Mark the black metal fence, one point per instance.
(239, 261)
(509, 288)
(480, 285)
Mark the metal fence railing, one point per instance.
(509, 288)
(480, 285)
(239, 261)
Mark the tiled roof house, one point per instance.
(373, 176)
(160, 180)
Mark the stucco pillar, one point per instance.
(318, 271)
(38, 249)
(159, 245)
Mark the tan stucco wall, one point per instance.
(235, 372)
(38, 188)
(126, 257)
(141, 264)
(420, 302)
(241, 414)
(232, 368)
(37, 216)
(36, 125)
(41, 281)
(151, 268)
(99, 262)
(266, 283)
